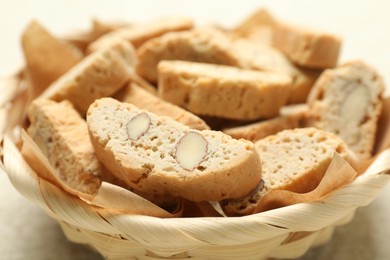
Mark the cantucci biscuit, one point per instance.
(62, 135)
(143, 99)
(347, 101)
(223, 91)
(267, 58)
(140, 33)
(297, 118)
(47, 57)
(294, 160)
(99, 28)
(207, 45)
(258, 27)
(158, 155)
(100, 74)
(306, 47)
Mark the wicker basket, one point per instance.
(286, 232)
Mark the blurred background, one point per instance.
(27, 233)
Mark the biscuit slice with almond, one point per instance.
(62, 136)
(347, 101)
(223, 91)
(157, 155)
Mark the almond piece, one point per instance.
(355, 104)
(138, 126)
(191, 150)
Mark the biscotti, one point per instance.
(99, 28)
(208, 46)
(259, 18)
(158, 155)
(258, 27)
(100, 74)
(294, 160)
(140, 33)
(143, 99)
(266, 58)
(259, 130)
(223, 91)
(62, 135)
(47, 58)
(347, 101)
(306, 47)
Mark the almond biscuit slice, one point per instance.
(294, 160)
(206, 45)
(143, 99)
(223, 91)
(347, 101)
(62, 135)
(307, 47)
(157, 155)
(140, 33)
(100, 74)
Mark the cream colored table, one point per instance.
(27, 233)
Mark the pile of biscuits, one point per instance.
(173, 111)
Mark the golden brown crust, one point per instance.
(312, 49)
(258, 27)
(256, 131)
(100, 74)
(47, 58)
(223, 91)
(208, 46)
(141, 33)
(267, 58)
(143, 99)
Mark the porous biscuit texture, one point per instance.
(62, 135)
(147, 159)
(294, 160)
(99, 75)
